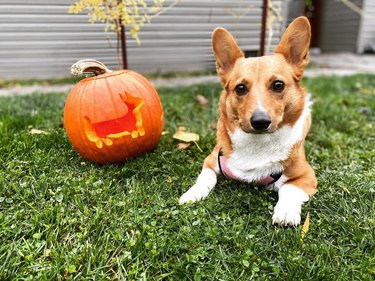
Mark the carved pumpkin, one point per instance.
(113, 116)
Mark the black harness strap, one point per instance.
(219, 164)
(275, 177)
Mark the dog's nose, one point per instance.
(260, 120)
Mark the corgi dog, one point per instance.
(264, 117)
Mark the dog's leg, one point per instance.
(206, 180)
(292, 195)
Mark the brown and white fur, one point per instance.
(252, 89)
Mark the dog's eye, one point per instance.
(278, 86)
(241, 89)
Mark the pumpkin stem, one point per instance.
(88, 66)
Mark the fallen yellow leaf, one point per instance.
(38, 132)
(184, 136)
(305, 227)
(188, 137)
(165, 133)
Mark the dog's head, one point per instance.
(262, 94)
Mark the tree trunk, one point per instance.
(123, 47)
(263, 28)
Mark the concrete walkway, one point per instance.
(341, 64)
(324, 64)
(170, 82)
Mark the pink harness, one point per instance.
(226, 172)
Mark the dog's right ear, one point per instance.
(226, 51)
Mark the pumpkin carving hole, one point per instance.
(127, 125)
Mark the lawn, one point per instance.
(64, 218)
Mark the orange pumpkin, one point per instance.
(113, 116)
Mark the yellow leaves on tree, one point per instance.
(133, 13)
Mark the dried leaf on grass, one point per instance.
(201, 100)
(38, 132)
(184, 136)
(183, 145)
(305, 227)
(166, 132)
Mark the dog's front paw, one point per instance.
(287, 214)
(288, 209)
(200, 190)
(195, 193)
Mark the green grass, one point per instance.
(64, 218)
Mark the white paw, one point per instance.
(288, 209)
(200, 190)
(195, 193)
(287, 214)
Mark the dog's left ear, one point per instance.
(294, 45)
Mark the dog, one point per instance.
(264, 117)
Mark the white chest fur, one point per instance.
(257, 156)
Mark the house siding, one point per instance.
(340, 27)
(39, 39)
(296, 8)
(366, 38)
